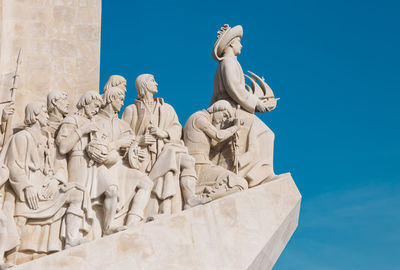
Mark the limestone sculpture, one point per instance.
(73, 176)
(167, 162)
(8, 111)
(202, 134)
(126, 189)
(229, 84)
(41, 191)
(72, 139)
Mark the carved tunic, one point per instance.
(195, 135)
(229, 84)
(199, 134)
(78, 160)
(166, 154)
(128, 180)
(163, 116)
(26, 156)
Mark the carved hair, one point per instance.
(54, 95)
(115, 81)
(221, 105)
(112, 94)
(87, 98)
(32, 110)
(141, 84)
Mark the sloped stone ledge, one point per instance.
(246, 230)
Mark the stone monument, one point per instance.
(83, 189)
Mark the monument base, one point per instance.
(246, 230)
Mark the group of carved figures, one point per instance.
(68, 178)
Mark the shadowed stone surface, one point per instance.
(246, 230)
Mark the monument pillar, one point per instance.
(60, 41)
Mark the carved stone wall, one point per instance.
(60, 41)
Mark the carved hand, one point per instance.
(260, 107)
(146, 139)
(89, 127)
(31, 196)
(141, 154)
(270, 104)
(8, 110)
(124, 143)
(100, 157)
(159, 133)
(51, 189)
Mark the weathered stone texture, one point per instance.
(60, 41)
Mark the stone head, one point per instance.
(235, 46)
(90, 102)
(145, 83)
(57, 100)
(114, 96)
(228, 42)
(115, 81)
(36, 112)
(220, 112)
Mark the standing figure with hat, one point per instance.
(252, 157)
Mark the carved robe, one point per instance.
(120, 174)
(163, 116)
(165, 155)
(80, 173)
(229, 84)
(256, 140)
(27, 157)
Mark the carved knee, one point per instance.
(111, 192)
(187, 166)
(76, 197)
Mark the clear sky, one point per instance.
(336, 67)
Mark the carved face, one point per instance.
(92, 108)
(152, 85)
(118, 102)
(43, 117)
(62, 105)
(219, 118)
(236, 46)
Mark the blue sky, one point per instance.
(336, 67)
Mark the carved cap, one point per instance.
(225, 35)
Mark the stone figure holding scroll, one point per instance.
(254, 158)
(126, 189)
(167, 162)
(202, 134)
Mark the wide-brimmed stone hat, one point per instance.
(225, 35)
